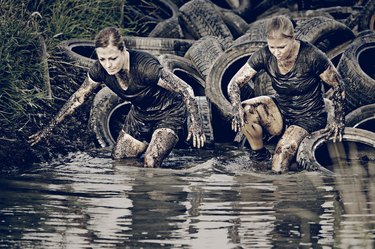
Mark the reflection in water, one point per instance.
(213, 200)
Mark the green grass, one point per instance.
(22, 23)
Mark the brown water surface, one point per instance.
(201, 199)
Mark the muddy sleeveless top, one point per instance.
(149, 100)
(299, 92)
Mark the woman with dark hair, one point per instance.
(297, 70)
(161, 102)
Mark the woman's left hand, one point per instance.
(196, 133)
(335, 130)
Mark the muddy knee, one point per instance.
(283, 156)
(162, 142)
(127, 146)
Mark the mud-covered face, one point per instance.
(111, 58)
(281, 48)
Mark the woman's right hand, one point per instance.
(42, 134)
(238, 117)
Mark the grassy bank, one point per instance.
(36, 79)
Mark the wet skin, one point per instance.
(163, 140)
(254, 115)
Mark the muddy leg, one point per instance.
(162, 142)
(127, 146)
(261, 113)
(287, 147)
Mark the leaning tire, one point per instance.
(200, 18)
(308, 149)
(169, 28)
(325, 33)
(205, 111)
(366, 18)
(204, 52)
(108, 113)
(222, 70)
(185, 70)
(101, 122)
(362, 117)
(355, 67)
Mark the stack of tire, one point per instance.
(205, 43)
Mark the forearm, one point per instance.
(171, 82)
(76, 100)
(242, 77)
(338, 98)
(234, 93)
(332, 78)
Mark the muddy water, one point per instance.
(200, 199)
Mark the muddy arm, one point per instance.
(332, 78)
(173, 83)
(68, 108)
(244, 75)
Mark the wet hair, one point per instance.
(279, 27)
(109, 36)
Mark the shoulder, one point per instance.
(96, 72)
(141, 56)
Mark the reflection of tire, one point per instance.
(103, 122)
(313, 150)
(362, 118)
(83, 51)
(204, 52)
(200, 18)
(356, 68)
(108, 113)
(185, 70)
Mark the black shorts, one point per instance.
(310, 123)
(141, 127)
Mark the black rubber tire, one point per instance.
(240, 7)
(204, 106)
(106, 123)
(185, 70)
(82, 52)
(325, 33)
(255, 33)
(204, 52)
(306, 152)
(236, 24)
(222, 70)
(159, 45)
(362, 118)
(169, 28)
(366, 19)
(356, 68)
(200, 18)
(103, 106)
(148, 14)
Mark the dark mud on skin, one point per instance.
(198, 199)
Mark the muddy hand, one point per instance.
(196, 133)
(335, 131)
(35, 138)
(237, 121)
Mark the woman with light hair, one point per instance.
(297, 69)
